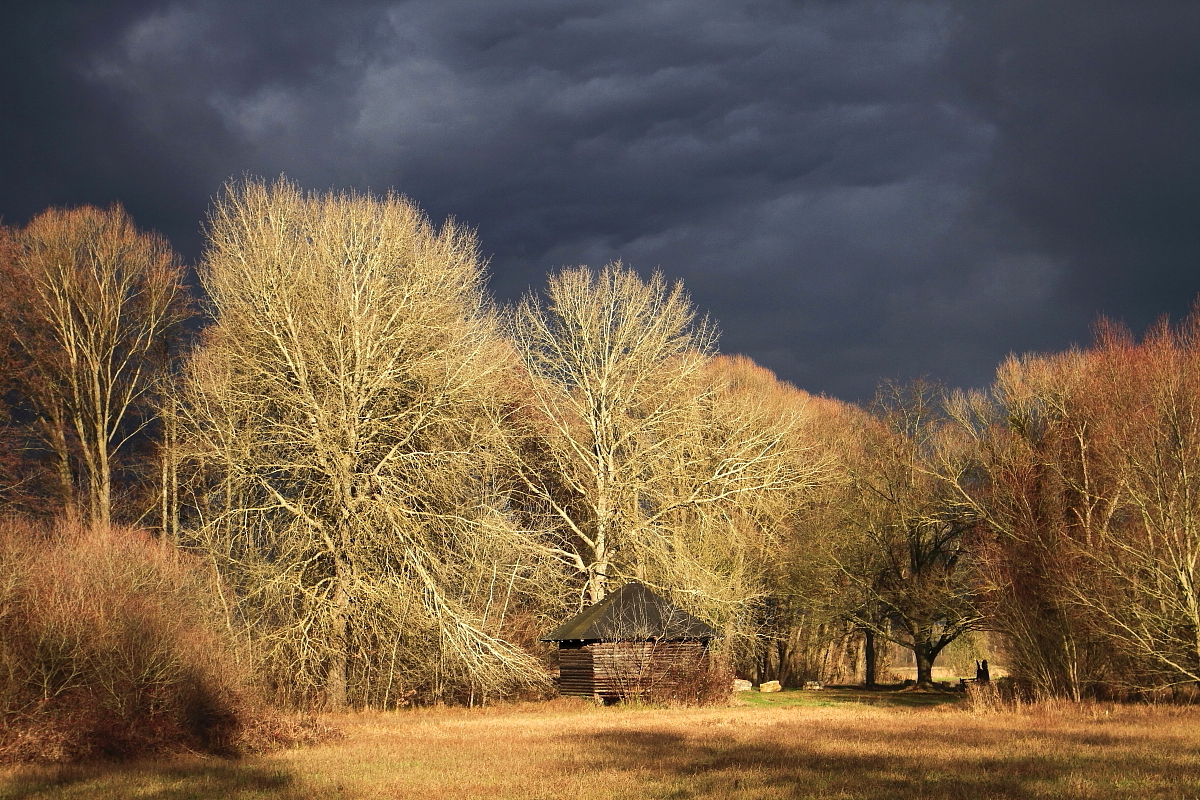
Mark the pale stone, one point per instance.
(770, 686)
(740, 685)
(813, 685)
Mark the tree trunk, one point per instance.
(869, 658)
(89, 468)
(335, 676)
(598, 580)
(102, 508)
(56, 435)
(170, 472)
(100, 479)
(924, 655)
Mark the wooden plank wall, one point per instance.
(575, 677)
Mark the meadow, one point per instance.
(789, 745)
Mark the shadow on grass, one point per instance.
(886, 696)
(886, 764)
(179, 781)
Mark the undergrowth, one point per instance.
(112, 647)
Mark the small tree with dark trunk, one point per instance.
(907, 557)
(870, 667)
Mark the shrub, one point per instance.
(999, 695)
(112, 646)
(709, 685)
(663, 672)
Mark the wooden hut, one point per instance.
(630, 644)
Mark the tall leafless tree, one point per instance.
(1088, 458)
(89, 301)
(645, 461)
(340, 425)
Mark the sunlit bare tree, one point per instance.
(909, 556)
(1087, 461)
(340, 425)
(643, 459)
(89, 302)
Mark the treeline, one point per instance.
(395, 486)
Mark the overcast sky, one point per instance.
(853, 190)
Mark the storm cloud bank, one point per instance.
(854, 190)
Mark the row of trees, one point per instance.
(399, 486)
(1087, 465)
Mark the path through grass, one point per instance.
(787, 748)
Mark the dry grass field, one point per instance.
(791, 745)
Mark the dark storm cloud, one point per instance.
(853, 189)
(1097, 109)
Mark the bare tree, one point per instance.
(610, 357)
(90, 300)
(808, 629)
(719, 557)
(1150, 551)
(1090, 457)
(1034, 484)
(340, 423)
(910, 566)
(19, 473)
(643, 459)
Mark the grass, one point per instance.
(785, 748)
(889, 697)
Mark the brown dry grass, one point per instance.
(573, 750)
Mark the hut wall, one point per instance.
(575, 677)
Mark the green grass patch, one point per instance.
(886, 697)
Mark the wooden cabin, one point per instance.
(630, 644)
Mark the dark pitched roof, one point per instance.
(632, 612)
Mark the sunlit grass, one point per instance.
(893, 697)
(571, 749)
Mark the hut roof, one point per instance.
(632, 612)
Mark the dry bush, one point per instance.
(991, 697)
(986, 698)
(663, 672)
(110, 647)
(711, 684)
(1015, 697)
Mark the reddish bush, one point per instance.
(112, 646)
